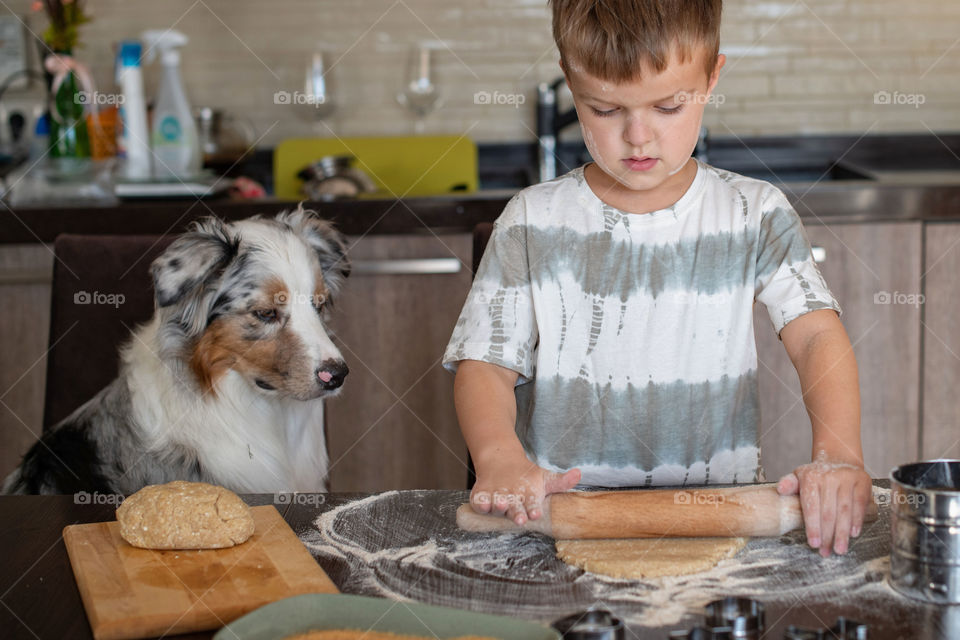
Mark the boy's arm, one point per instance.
(507, 481)
(834, 489)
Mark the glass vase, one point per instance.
(69, 137)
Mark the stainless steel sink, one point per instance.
(780, 172)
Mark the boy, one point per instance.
(608, 337)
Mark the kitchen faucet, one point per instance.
(550, 122)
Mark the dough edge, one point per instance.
(648, 557)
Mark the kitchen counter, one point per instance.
(405, 545)
(439, 214)
(893, 196)
(831, 178)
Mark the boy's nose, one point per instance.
(637, 133)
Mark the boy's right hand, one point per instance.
(516, 488)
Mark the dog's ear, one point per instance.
(329, 244)
(185, 276)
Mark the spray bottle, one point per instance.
(176, 148)
(133, 142)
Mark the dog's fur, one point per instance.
(224, 383)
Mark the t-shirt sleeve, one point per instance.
(497, 323)
(788, 282)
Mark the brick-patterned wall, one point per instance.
(794, 66)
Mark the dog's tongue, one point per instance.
(325, 376)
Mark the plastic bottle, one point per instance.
(40, 141)
(133, 142)
(176, 149)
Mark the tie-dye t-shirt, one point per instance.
(633, 334)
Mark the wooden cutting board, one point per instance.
(136, 593)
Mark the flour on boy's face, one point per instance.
(642, 132)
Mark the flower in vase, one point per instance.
(65, 16)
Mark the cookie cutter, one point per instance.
(703, 633)
(843, 629)
(592, 624)
(744, 616)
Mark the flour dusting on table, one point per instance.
(417, 553)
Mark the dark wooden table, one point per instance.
(405, 545)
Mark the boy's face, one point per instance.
(642, 132)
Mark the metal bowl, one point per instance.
(925, 531)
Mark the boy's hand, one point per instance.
(834, 498)
(516, 488)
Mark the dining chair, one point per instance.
(101, 290)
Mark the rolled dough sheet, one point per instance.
(648, 557)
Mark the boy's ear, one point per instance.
(563, 70)
(715, 76)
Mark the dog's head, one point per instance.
(252, 297)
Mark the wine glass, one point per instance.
(316, 90)
(420, 95)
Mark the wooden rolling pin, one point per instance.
(753, 510)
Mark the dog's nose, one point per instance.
(331, 373)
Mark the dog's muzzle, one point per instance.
(331, 373)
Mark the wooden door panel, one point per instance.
(394, 425)
(872, 269)
(941, 342)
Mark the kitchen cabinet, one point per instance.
(874, 272)
(941, 342)
(25, 275)
(394, 425)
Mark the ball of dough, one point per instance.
(184, 515)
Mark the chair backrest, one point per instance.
(481, 236)
(101, 290)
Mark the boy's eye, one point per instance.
(603, 114)
(675, 109)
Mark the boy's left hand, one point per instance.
(834, 498)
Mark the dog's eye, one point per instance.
(266, 315)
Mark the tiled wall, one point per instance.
(794, 66)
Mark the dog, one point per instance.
(225, 383)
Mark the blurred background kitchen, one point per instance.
(793, 67)
(811, 67)
(852, 107)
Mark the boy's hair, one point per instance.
(617, 40)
